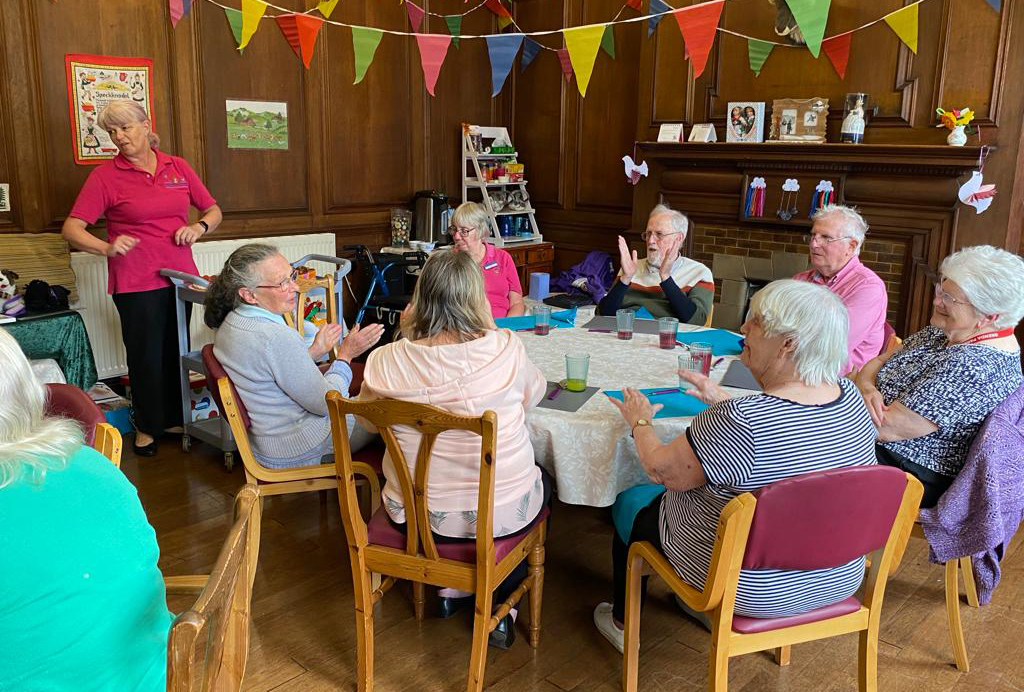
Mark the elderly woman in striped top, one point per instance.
(807, 419)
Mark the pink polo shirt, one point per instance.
(863, 293)
(149, 207)
(500, 277)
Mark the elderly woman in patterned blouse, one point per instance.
(929, 398)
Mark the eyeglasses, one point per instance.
(657, 235)
(823, 239)
(457, 231)
(284, 284)
(948, 299)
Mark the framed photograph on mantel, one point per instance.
(745, 122)
(799, 120)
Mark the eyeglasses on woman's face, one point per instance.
(947, 298)
(461, 231)
(284, 284)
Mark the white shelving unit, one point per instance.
(473, 180)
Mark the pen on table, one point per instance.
(718, 362)
(664, 391)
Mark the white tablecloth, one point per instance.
(590, 452)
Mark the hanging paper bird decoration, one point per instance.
(975, 194)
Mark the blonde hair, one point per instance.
(449, 299)
(30, 441)
(124, 112)
(473, 215)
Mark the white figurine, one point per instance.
(852, 130)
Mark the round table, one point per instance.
(590, 452)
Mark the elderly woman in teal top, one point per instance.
(82, 603)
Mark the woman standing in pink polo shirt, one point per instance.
(145, 196)
(501, 280)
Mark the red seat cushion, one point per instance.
(372, 454)
(745, 625)
(68, 401)
(380, 531)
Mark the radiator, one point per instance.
(100, 316)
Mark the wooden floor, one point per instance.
(304, 635)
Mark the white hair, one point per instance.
(992, 280)
(676, 219)
(472, 215)
(30, 442)
(814, 318)
(854, 224)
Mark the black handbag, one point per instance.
(42, 297)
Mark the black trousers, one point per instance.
(934, 483)
(646, 527)
(150, 333)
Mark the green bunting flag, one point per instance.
(608, 41)
(235, 22)
(364, 45)
(811, 16)
(758, 52)
(454, 23)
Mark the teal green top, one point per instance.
(82, 602)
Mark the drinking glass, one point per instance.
(667, 328)
(542, 320)
(687, 361)
(576, 367)
(702, 351)
(624, 323)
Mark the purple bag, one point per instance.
(593, 276)
(13, 307)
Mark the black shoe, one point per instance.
(446, 607)
(145, 450)
(502, 636)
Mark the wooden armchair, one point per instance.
(807, 522)
(71, 402)
(377, 547)
(222, 609)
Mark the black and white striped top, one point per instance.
(745, 444)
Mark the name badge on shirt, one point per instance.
(491, 265)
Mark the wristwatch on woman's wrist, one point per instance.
(643, 422)
(206, 226)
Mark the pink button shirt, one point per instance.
(863, 293)
(148, 207)
(500, 277)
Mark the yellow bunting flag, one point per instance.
(326, 7)
(904, 23)
(252, 12)
(583, 44)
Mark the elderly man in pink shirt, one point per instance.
(835, 242)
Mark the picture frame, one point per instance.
(799, 120)
(744, 121)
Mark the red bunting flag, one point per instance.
(177, 8)
(637, 5)
(837, 48)
(433, 48)
(300, 30)
(497, 8)
(415, 13)
(698, 24)
(563, 57)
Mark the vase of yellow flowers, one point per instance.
(958, 123)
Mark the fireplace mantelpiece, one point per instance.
(907, 194)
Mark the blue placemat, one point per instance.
(562, 319)
(643, 314)
(675, 405)
(723, 343)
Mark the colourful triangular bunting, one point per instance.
(757, 52)
(904, 23)
(497, 8)
(608, 40)
(300, 30)
(433, 48)
(996, 5)
(454, 23)
(502, 50)
(530, 50)
(811, 16)
(504, 23)
(637, 5)
(698, 24)
(186, 7)
(235, 22)
(325, 7)
(583, 44)
(566, 62)
(252, 13)
(837, 48)
(364, 46)
(657, 7)
(415, 13)
(177, 10)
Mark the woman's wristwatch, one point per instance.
(643, 422)
(206, 226)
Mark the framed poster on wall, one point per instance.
(93, 82)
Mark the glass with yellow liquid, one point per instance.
(576, 367)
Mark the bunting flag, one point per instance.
(502, 51)
(530, 50)
(657, 7)
(415, 13)
(186, 7)
(566, 62)
(637, 5)
(837, 48)
(811, 16)
(364, 46)
(433, 48)
(504, 23)
(608, 40)
(454, 22)
(177, 10)
(698, 24)
(235, 22)
(582, 44)
(996, 5)
(300, 30)
(497, 8)
(325, 7)
(252, 13)
(758, 52)
(904, 23)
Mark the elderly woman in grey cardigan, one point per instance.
(272, 367)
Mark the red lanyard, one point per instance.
(989, 335)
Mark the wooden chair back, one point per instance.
(222, 611)
(108, 443)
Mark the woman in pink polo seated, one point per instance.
(501, 280)
(454, 358)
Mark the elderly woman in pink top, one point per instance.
(501, 280)
(145, 196)
(454, 358)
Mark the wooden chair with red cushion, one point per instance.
(69, 401)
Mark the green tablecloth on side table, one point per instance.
(62, 337)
